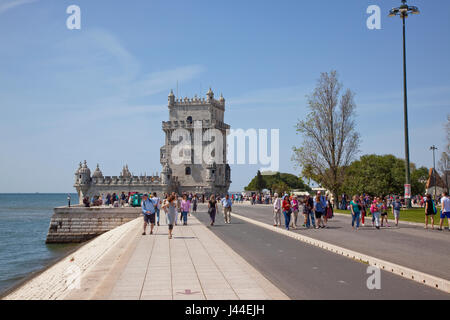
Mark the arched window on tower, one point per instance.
(189, 120)
(188, 171)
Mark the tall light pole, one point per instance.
(434, 148)
(403, 12)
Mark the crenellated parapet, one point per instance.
(135, 180)
(196, 101)
(205, 124)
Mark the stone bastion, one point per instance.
(79, 224)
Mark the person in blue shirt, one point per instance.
(227, 204)
(355, 208)
(396, 207)
(320, 208)
(149, 212)
(319, 211)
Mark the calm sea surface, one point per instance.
(24, 222)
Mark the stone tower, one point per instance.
(191, 120)
(197, 120)
(83, 179)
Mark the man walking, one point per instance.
(445, 210)
(68, 199)
(227, 204)
(148, 210)
(396, 207)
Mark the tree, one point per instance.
(260, 183)
(330, 141)
(381, 175)
(273, 181)
(419, 179)
(280, 187)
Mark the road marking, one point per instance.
(411, 274)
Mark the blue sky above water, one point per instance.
(100, 93)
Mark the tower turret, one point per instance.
(171, 98)
(125, 172)
(77, 174)
(210, 95)
(84, 174)
(166, 174)
(97, 173)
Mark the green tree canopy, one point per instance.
(382, 175)
(419, 179)
(276, 182)
(260, 183)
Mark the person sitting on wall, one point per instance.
(98, 201)
(86, 202)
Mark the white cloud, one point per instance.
(98, 54)
(8, 5)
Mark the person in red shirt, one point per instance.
(287, 211)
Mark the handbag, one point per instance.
(329, 213)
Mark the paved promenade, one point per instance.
(194, 265)
(124, 265)
(410, 245)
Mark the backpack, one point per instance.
(434, 207)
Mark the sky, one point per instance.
(100, 93)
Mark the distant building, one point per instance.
(204, 177)
(441, 184)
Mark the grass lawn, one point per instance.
(411, 215)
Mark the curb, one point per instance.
(417, 276)
(416, 224)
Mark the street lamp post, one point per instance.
(434, 148)
(403, 12)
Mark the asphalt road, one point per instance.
(410, 246)
(305, 272)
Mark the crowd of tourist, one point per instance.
(295, 211)
(175, 206)
(114, 200)
(318, 210)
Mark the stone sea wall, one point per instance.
(79, 224)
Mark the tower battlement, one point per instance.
(196, 101)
